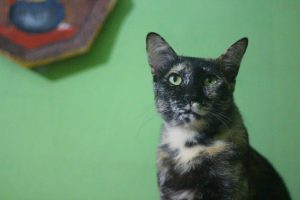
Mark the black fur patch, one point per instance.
(201, 139)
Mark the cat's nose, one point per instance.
(195, 106)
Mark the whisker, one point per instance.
(220, 118)
(224, 116)
(146, 120)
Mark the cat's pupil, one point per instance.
(210, 80)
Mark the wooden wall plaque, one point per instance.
(37, 32)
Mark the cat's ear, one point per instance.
(231, 60)
(160, 54)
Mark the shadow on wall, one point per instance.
(100, 51)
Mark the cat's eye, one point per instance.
(175, 79)
(210, 80)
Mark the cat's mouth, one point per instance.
(193, 116)
(190, 116)
(193, 112)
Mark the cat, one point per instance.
(204, 152)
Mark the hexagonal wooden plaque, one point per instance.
(73, 35)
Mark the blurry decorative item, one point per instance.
(36, 32)
(36, 17)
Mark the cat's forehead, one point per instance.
(179, 68)
(190, 65)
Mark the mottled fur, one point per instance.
(204, 153)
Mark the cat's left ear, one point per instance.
(231, 60)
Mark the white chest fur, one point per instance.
(187, 157)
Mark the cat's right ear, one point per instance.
(160, 54)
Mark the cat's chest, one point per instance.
(181, 146)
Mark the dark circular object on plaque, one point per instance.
(36, 17)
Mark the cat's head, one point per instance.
(193, 91)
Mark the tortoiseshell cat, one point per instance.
(204, 152)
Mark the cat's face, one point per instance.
(193, 91)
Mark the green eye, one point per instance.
(211, 80)
(175, 79)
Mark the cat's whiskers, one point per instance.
(147, 116)
(224, 117)
(220, 118)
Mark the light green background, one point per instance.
(86, 128)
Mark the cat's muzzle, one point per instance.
(192, 112)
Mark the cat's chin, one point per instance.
(195, 123)
(191, 120)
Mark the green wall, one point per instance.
(86, 128)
